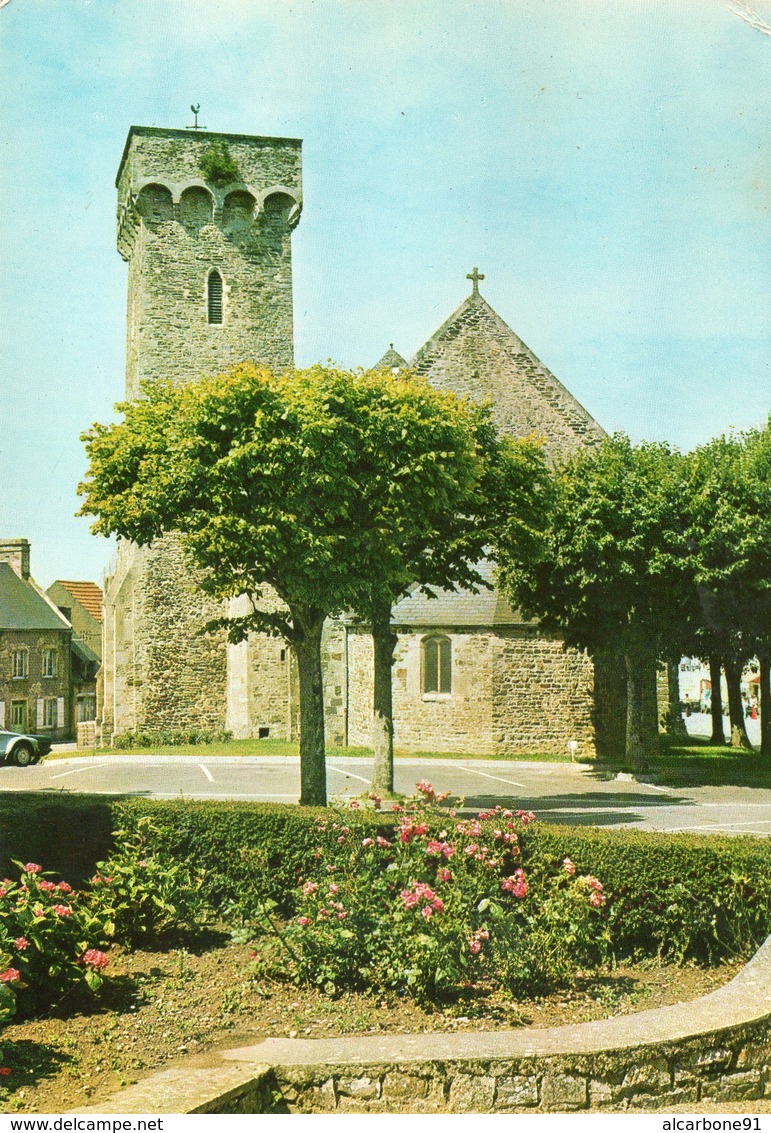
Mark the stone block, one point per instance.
(744, 1085)
(317, 1099)
(715, 1060)
(471, 1093)
(601, 1094)
(646, 1078)
(403, 1087)
(564, 1091)
(754, 1055)
(361, 1088)
(519, 1090)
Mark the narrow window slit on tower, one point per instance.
(215, 297)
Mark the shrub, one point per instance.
(129, 741)
(143, 896)
(218, 164)
(50, 940)
(427, 910)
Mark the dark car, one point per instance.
(22, 750)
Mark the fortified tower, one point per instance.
(204, 222)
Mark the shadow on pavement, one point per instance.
(599, 808)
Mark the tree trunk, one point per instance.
(765, 703)
(675, 722)
(642, 733)
(733, 676)
(716, 700)
(313, 771)
(384, 643)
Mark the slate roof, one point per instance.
(457, 608)
(23, 606)
(88, 594)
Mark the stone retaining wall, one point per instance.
(716, 1048)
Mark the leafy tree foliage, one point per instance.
(611, 573)
(332, 489)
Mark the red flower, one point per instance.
(46, 886)
(64, 887)
(63, 910)
(21, 943)
(10, 976)
(32, 867)
(5, 1071)
(93, 958)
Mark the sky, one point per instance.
(603, 162)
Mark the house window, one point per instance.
(19, 715)
(215, 297)
(437, 665)
(49, 712)
(49, 662)
(20, 664)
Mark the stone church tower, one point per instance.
(204, 223)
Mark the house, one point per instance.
(46, 672)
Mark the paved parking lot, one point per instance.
(574, 794)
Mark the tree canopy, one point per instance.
(327, 487)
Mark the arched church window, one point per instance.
(437, 665)
(214, 297)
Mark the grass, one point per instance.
(266, 749)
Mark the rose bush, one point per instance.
(49, 941)
(440, 903)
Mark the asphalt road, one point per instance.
(573, 794)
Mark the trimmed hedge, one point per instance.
(680, 895)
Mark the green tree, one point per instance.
(612, 573)
(444, 511)
(730, 537)
(309, 483)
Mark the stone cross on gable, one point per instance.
(475, 276)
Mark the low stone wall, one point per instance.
(716, 1048)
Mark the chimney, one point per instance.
(16, 553)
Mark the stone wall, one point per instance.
(713, 1049)
(513, 692)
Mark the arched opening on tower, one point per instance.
(237, 211)
(154, 204)
(196, 207)
(214, 297)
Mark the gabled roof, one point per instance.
(475, 354)
(23, 606)
(88, 594)
(391, 360)
(457, 607)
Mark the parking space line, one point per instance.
(207, 772)
(350, 774)
(497, 778)
(77, 770)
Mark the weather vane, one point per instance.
(195, 107)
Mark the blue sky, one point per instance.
(601, 161)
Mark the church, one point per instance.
(205, 224)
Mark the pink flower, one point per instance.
(21, 943)
(368, 842)
(63, 910)
(593, 883)
(568, 867)
(3, 891)
(95, 959)
(438, 904)
(443, 875)
(425, 788)
(382, 842)
(10, 976)
(142, 862)
(303, 921)
(597, 899)
(341, 838)
(324, 914)
(32, 867)
(427, 911)
(63, 887)
(376, 800)
(46, 886)
(474, 947)
(309, 887)
(342, 915)
(353, 804)
(525, 816)
(443, 848)
(333, 888)
(516, 884)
